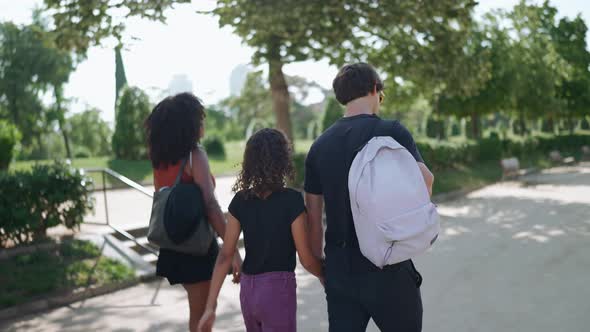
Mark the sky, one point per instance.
(193, 45)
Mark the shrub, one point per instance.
(214, 147)
(299, 166)
(489, 149)
(9, 136)
(82, 152)
(44, 197)
(584, 124)
(133, 107)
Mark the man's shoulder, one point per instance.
(394, 128)
(319, 142)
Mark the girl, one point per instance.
(273, 220)
(174, 129)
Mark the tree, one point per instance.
(287, 31)
(81, 24)
(254, 101)
(332, 113)
(420, 42)
(30, 64)
(569, 37)
(19, 68)
(132, 110)
(9, 136)
(488, 45)
(535, 60)
(282, 32)
(89, 132)
(120, 77)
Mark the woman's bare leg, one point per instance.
(197, 299)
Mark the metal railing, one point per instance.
(107, 172)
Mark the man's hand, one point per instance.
(315, 209)
(207, 320)
(428, 177)
(236, 267)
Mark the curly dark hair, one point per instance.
(173, 127)
(267, 164)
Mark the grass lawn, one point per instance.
(460, 177)
(71, 265)
(480, 174)
(141, 170)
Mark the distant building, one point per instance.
(237, 78)
(180, 83)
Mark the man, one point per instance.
(357, 290)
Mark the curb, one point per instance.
(56, 301)
(8, 253)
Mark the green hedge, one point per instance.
(447, 155)
(46, 196)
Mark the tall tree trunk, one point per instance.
(61, 121)
(280, 95)
(64, 134)
(475, 130)
(522, 124)
(13, 109)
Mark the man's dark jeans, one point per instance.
(391, 297)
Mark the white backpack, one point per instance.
(393, 215)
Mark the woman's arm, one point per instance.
(202, 177)
(224, 261)
(300, 235)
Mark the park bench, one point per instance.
(556, 157)
(510, 167)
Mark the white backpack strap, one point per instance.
(190, 158)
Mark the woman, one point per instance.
(174, 129)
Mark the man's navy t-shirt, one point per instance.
(326, 173)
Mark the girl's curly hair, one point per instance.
(267, 164)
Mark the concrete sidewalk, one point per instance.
(511, 257)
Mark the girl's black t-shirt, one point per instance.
(266, 224)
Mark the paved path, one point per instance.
(512, 257)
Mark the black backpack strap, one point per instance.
(180, 171)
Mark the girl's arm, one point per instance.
(300, 235)
(224, 261)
